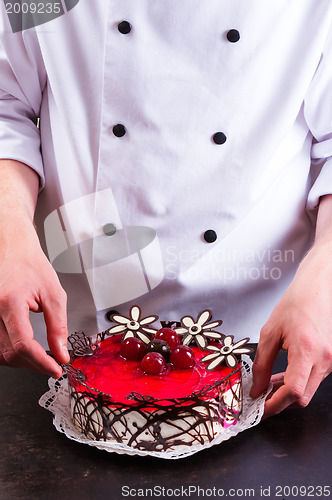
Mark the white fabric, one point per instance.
(174, 81)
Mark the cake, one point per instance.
(156, 389)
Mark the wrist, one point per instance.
(19, 186)
(17, 234)
(317, 264)
(323, 235)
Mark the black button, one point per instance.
(109, 229)
(233, 36)
(119, 130)
(219, 138)
(110, 313)
(124, 27)
(210, 236)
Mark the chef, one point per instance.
(179, 156)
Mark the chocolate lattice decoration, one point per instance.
(156, 425)
(82, 345)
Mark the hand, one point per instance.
(29, 283)
(301, 324)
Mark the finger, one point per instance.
(55, 314)
(7, 355)
(277, 381)
(23, 345)
(278, 378)
(296, 383)
(267, 351)
(315, 380)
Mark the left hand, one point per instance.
(301, 324)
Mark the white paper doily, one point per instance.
(57, 401)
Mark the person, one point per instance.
(176, 156)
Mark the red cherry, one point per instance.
(132, 349)
(183, 357)
(169, 335)
(153, 363)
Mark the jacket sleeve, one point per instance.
(318, 114)
(22, 81)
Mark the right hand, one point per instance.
(29, 283)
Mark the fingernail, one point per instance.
(56, 375)
(65, 352)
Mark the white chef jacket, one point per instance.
(181, 159)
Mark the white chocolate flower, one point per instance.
(198, 331)
(133, 326)
(226, 352)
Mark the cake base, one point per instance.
(159, 425)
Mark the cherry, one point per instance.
(183, 357)
(132, 349)
(169, 335)
(158, 345)
(153, 363)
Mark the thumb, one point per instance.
(55, 314)
(267, 351)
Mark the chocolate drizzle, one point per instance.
(156, 425)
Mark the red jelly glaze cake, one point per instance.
(112, 398)
(108, 371)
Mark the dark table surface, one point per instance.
(287, 456)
